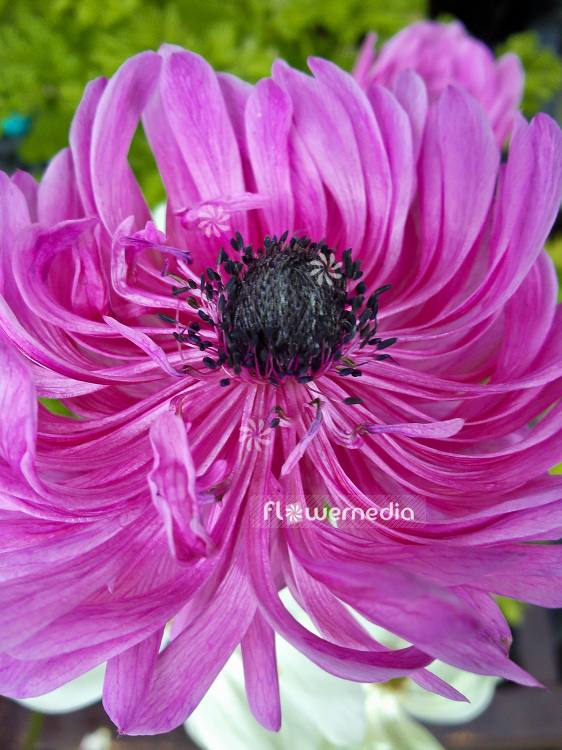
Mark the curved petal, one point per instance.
(268, 120)
(260, 673)
(115, 190)
(78, 693)
(18, 405)
(187, 667)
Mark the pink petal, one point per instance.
(58, 197)
(145, 343)
(268, 121)
(127, 679)
(299, 450)
(362, 666)
(365, 59)
(195, 109)
(30, 188)
(535, 576)
(342, 174)
(188, 665)
(260, 673)
(437, 430)
(14, 216)
(116, 192)
(80, 139)
(410, 91)
(18, 406)
(433, 684)
(172, 484)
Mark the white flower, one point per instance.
(101, 739)
(393, 708)
(319, 711)
(322, 712)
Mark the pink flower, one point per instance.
(445, 55)
(428, 374)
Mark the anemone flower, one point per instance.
(350, 388)
(445, 55)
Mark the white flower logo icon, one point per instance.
(213, 219)
(293, 513)
(254, 435)
(326, 270)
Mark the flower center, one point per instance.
(283, 311)
(285, 314)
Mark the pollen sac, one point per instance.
(285, 312)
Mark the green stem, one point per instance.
(33, 730)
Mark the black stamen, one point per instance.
(167, 319)
(387, 342)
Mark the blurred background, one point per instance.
(49, 50)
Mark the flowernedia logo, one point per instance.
(213, 219)
(293, 512)
(325, 270)
(255, 436)
(390, 510)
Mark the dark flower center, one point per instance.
(285, 314)
(282, 311)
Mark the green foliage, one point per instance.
(543, 70)
(49, 49)
(512, 610)
(56, 407)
